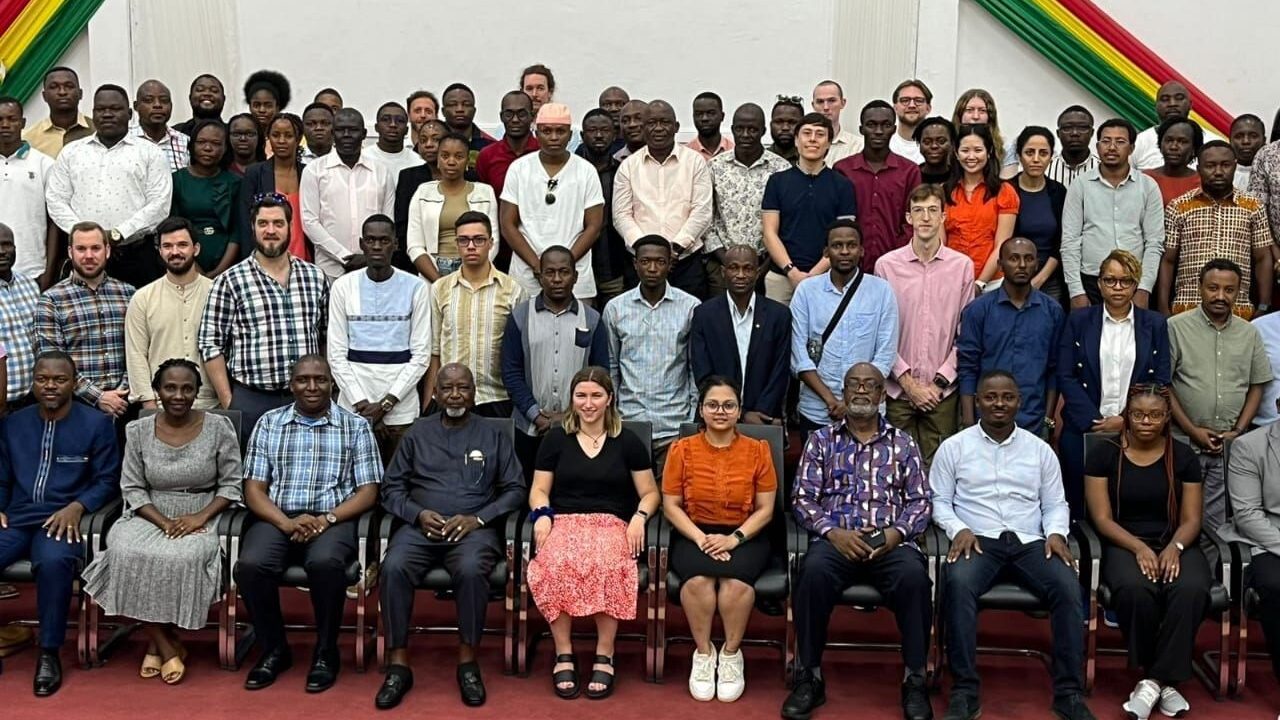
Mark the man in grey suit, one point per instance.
(1253, 482)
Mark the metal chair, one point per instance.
(774, 584)
(1100, 596)
(438, 580)
(648, 573)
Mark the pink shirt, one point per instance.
(707, 153)
(930, 297)
(671, 198)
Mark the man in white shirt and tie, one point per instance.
(998, 495)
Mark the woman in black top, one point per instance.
(936, 137)
(1145, 499)
(1040, 203)
(593, 492)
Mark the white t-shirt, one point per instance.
(560, 223)
(23, 178)
(909, 149)
(393, 162)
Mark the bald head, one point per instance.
(748, 132)
(863, 393)
(1173, 100)
(453, 370)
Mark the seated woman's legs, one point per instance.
(606, 634)
(736, 600)
(1185, 602)
(562, 635)
(698, 600)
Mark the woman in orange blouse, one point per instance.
(717, 492)
(981, 208)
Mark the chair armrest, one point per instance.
(232, 521)
(1242, 554)
(368, 522)
(99, 521)
(942, 543)
(797, 538)
(1084, 532)
(1225, 555)
(513, 525)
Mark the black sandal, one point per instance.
(600, 677)
(565, 676)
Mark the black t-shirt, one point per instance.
(1144, 490)
(601, 484)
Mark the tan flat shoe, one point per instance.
(151, 665)
(173, 670)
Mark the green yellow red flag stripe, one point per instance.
(34, 34)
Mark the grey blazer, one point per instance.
(1253, 481)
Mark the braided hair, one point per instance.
(1143, 390)
(175, 363)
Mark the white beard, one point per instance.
(858, 410)
(455, 412)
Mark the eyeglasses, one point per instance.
(864, 385)
(516, 115)
(1154, 416)
(1115, 282)
(791, 100)
(465, 241)
(909, 101)
(728, 406)
(550, 197)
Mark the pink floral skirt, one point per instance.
(585, 568)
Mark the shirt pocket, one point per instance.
(581, 337)
(72, 459)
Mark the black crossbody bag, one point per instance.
(814, 347)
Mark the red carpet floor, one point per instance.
(862, 685)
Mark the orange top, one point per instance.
(971, 222)
(719, 485)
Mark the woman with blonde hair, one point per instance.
(977, 107)
(593, 493)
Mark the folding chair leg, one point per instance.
(660, 624)
(82, 630)
(522, 622)
(1242, 654)
(788, 642)
(509, 610)
(651, 644)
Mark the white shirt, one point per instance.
(742, 326)
(542, 225)
(845, 144)
(23, 178)
(1269, 328)
(1116, 356)
(127, 187)
(1241, 179)
(988, 487)
(1146, 149)
(394, 162)
(909, 149)
(335, 201)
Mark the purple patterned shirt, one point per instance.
(842, 483)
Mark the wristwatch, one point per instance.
(1261, 308)
(941, 382)
(1049, 423)
(1180, 546)
(331, 518)
(387, 403)
(980, 285)
(788, 268)
(115, 236)
(742, 537)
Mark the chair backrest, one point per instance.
(505, 425)
(774, 435)
(643, 430)
(232, 415)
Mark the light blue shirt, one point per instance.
(1269, 328)
(989, 487)
(649, 358)
(868, 332)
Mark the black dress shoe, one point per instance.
(809, 694)
(963, 707)
(269, 666)
(1072, 707)
(915, 699)
(323, 673)
(470, 685)
(395, 686)
(48, 673)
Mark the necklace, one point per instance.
(595, 441)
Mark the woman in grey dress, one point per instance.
(163, 563)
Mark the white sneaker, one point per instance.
(1143, 699)
(702, 678)
(1172, 703)
(732, 677)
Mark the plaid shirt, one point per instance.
(1199, 229)
(88, 325)
(842, 483)
(261, 326)
(18, 300)
(174, 145)
(312, 464)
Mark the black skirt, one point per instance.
(745, 563)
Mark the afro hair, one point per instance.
(271, 81)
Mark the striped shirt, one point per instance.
(261, 326)
(468, 322)
(87, 324)
(1199, 229)
(649, 358)
(174, 145)
(312, 464)
(1065, 173)
(18, 300)
(844, 483)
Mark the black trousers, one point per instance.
(495, 409)
(253, 404)
(1264, 577)
(901, 577)
(264, 555)
(527, 452)
(1091, 289)
(469, 562)
(690, 275)
(964, 581)
(1158, 620)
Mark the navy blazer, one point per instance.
(713, 350)
(1079, 374)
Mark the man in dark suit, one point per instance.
(757, 327)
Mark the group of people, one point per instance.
(919, 300)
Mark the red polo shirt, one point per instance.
(493, 161)
(882, 203)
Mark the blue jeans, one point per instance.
(964, 581)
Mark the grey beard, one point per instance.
(455, 412)
(856, 410)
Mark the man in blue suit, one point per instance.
(746, 337)
(1103, 350)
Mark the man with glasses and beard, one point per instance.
(262, 316)
(161, 315)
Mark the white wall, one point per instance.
(750, 50)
